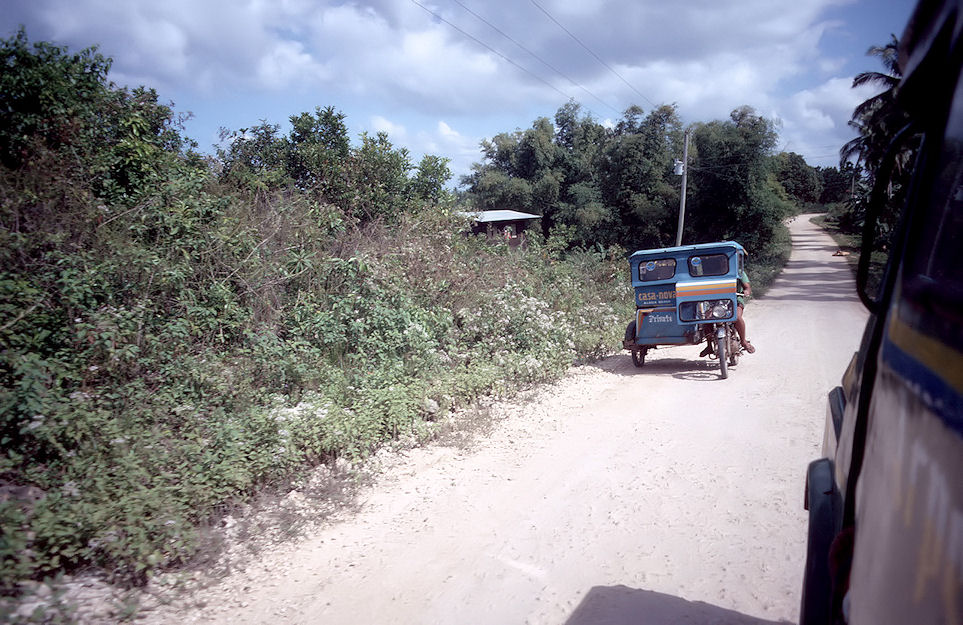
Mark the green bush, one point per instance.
(157, 373)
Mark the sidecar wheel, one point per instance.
(638, 356)
(630, 332)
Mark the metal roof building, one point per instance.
(501, 215)
(502, 224)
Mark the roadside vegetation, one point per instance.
(179, 331)
(837, 222)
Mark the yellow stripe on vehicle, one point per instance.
(716, 291)
(940, 358)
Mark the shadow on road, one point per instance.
(813, 278)
(621, 605)
(702, 376)
(698, 369)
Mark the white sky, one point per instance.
(425, 71)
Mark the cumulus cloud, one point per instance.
(395, 49)
(447, 131)
(814, 120)
(462, 149)
(441, 139)
(377, 56)
(287, 63)
(397, 132)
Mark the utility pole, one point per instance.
(684, 172)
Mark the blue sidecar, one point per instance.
(686, 295)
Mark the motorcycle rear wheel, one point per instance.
(638, 356)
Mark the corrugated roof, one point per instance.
(500, 215)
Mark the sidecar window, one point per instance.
(656, 269)
(709, 265)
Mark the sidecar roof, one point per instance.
(682, 250)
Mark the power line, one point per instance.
(589, 50)
(493, 50)
(540, 59)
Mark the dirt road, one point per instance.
(660, 495)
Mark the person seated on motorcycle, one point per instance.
(743, 291)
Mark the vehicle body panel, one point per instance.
(886, 536)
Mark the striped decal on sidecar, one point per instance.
(715, 287)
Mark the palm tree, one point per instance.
(879, 118)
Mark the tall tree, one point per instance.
(369, 182)
(378, 179)
(316, 150)
(611, 185)
(617, 185)
(637, 176)
(801, 181)
(733, 194)
(878, 118)
(430, 179)
(580, 139)
(837, 183)
(62, 103)
(254, 157)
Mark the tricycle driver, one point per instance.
(743, 291)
